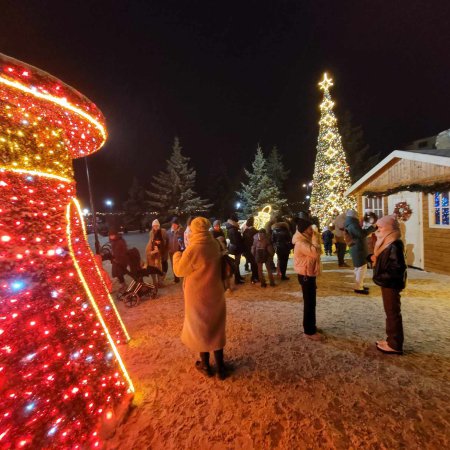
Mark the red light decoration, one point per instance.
(62, 380)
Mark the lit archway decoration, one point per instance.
(62, 380)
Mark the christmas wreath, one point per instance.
(403, 211)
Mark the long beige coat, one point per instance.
(205, 311)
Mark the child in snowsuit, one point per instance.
(262, 251)
(327, 238)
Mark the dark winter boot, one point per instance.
(203, 365)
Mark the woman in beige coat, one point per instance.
(307, 250)
(205, 311)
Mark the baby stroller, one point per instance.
(138, 288)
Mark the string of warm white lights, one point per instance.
(331, 172)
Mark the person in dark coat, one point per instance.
(390, 274)
(175, 242)
(262, 251)
(216, 230)
(248, 235)
(281, 239)
(358, 249)
(236, 246)
(120, 257)
(327, 238)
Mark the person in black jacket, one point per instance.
(390, 273)
(236, 246)
(281, 239)
(248, 235)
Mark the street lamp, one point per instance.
(94, 215)
(238, 205)
(85, 212)
(109, 203)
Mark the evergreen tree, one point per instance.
(137, 199)
(359, 158)
(173, 188)
(275, 168)
(331, 172)
(221, 189)
(135, 206)
(260, 190)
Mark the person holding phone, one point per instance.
(307, 250)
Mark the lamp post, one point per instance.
(308, 187)
(94, 216)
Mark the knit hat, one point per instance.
(303, 224)
(156, 223)
(352, 213)
(389, 222)
(199, 225)
(216, 223)
(175, 220)
(234, 217)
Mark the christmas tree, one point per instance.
(331, 173)
(173, 189)
(260, 190)
(275, 168)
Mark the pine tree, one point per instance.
(331, 172)
(260, 190)
(221, 189)
(135, 206)
(173, 188)
(358, 154)
(275, 168)
(136, 202)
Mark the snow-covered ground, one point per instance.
(288, 392)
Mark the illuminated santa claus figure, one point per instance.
(62, 381)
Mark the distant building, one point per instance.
(420, 144)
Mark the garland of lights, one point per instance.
(403, 211)
(426, 189)
(63, 383)
(331, 172)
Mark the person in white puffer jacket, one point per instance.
(307, 250)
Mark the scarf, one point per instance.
(387, 233)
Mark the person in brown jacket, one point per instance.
(205, 312)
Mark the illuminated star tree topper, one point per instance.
(331, 172)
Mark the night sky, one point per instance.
(224, 76)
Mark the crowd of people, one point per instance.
(197, 254)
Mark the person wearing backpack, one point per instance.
(281, 238)
(248, 235)
(236, 246)
(390, 274)
(339, 239)
(263, 252)
(356, 239)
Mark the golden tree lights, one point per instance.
(62, 380)
(331, 172)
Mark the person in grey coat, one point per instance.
(175, 242)
(358, 249)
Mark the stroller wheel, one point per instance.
(131, 300)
